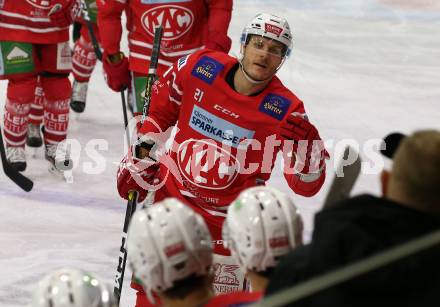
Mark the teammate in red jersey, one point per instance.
(83, 62)
(170, 252)
(188, 26)
(34, 42)
(84, 57)
(232, 118)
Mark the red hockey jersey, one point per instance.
(27, 21)
(225, 142)
(188, 26)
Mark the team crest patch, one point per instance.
(275, 106)
(207, 69)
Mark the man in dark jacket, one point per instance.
(366, 225)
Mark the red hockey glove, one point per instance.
(63, 15)
(135, 174)
(116, 72)
(309, 148)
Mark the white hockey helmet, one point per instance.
(261, 226)
(72, 288)
(168, 242)
(269, 26)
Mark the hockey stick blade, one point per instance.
(342, 185)
(19, 179)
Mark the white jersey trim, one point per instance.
(147, 58)
(20, 16)
(18, 27)
(168, 54)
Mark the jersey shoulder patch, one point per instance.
(275, 106)
(207, 69)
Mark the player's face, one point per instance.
(262, 56)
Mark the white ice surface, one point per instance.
(363, 69)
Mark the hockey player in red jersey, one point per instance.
(83, 62)
(232, 118)
(262, 226)
(84, 57)
(170, 252)
(188, 26)
(34, 42)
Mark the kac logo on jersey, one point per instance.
(176, 21)
(275, 106)
(207, 69)
(206, 165)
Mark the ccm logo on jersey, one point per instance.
(206, 165)
(275, 106)
(226, 111)
(176, 20)
(207, 69)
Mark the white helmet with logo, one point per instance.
(72, 288)
(262, 225)
(168, 242)
(269, 26)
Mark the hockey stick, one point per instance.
(342, 185)
(96, 48)
(132, 196)
(18, 178)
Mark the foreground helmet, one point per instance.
(269, 26)
(261, 226)
(168, 242)
(72, 288)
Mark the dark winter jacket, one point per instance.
(360, 227)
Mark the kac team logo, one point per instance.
(176, 21)
(206, 165)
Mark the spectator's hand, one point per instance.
(116, 71)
